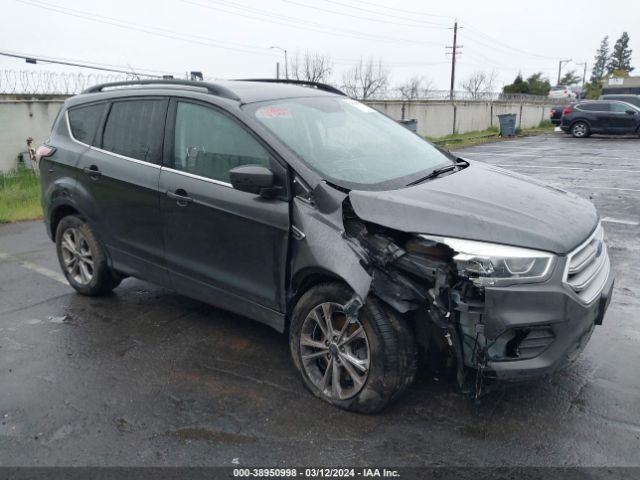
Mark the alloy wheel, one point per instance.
(334, 351)
(580, 130)
(76, 256)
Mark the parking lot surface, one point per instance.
(147, 377)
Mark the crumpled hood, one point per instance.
(484, 203)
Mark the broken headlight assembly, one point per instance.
(492, 264)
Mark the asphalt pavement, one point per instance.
(148, 377)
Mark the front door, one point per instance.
(222, 245)
(621, 120)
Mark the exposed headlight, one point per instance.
(492, 264)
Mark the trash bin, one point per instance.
(410, 124)
(507, 124)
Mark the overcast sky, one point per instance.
(231, 38)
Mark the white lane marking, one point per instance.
(566, 168)
(544, 155)
(619, 220)
(58, 277)
(569, 187)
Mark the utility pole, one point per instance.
(584, 74)
(454, 51)
(277, 70)
(560, 69)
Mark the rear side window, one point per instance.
(135, 128)
(595, 107)
(84, 122)
(209, 144)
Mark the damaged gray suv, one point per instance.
(298, 207)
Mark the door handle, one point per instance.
(180, 196)
(92, 171)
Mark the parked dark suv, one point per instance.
(600, 116)
(320, 217)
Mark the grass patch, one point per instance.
(19, 196)
(485, 136)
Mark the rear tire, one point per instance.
(374, 357)
(580, 130)
(82, 259)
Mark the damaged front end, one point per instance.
(482, 311)
(485, 311)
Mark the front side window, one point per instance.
(208, 143)
(135, 129)
(349, 143)
(620, 107)
(84, 122)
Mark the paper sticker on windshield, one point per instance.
(271, 111)
(360, 106)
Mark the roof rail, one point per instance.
(212, 88)
(318, 85)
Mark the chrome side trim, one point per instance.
(96, 149)
(198, 177)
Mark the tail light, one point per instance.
(45, 151)
(552, 112)
(567, 110)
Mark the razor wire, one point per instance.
(24, 82)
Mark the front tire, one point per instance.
(580, 130)
(82, 259)
(359, 364)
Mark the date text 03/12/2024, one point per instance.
(315, 472)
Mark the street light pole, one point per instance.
(286, 61)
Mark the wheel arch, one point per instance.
(305, 279)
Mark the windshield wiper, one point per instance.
(439, 171)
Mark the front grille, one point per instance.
(588, 267)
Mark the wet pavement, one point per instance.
(147, 377)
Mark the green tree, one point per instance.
(621, 56)
(570, 78)
(538, 85)
(600, 63)
(518, 86)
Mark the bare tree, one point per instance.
(311, 67)
(366, 79)
(415, 87)
(479, 83)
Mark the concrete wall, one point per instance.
(440, 118)
(20, 118)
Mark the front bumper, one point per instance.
(551, 306)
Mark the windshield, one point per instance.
(349, 143)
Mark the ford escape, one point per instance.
(296, 206)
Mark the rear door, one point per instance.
(621, 120)
(222, 245)
(120, 176)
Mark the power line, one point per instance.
(161, 32)
(506, 46)
(412, 12)
(418, 23)
(359, 17)
(298, 23)
(84, 64)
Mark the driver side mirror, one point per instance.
(254, 179)
(631, 112)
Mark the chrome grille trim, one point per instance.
(588, 267)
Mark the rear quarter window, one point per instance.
(84, 121)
